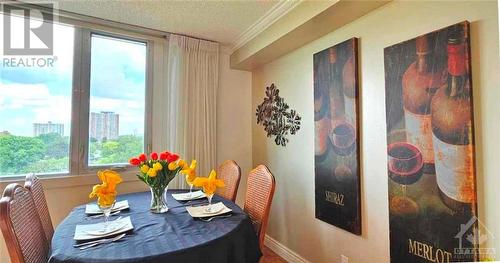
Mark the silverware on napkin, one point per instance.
(99, 242)
(213, 217)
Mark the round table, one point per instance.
(170, 237)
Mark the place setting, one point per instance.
(208, 212)
(93, 211)
(107, 231)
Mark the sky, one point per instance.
(37, 95)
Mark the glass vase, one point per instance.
(159, 200)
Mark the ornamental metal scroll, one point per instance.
(277, 117)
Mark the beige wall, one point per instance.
(233, 142)
(292, 218)
(234, 119)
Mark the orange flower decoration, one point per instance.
(106, 191)
(209, 184)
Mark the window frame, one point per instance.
(81, 110)
(80, 96)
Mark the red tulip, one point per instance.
(172, 157)
(143, 157)
(154, 156)
(134, 161)
(164, 155)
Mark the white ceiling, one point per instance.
(222, 20)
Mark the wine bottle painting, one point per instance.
(430, 165)
(336, 134)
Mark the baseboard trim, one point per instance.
(284, 252)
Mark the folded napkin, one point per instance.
(100, 230)
(93, 209)
(189, 196)
(201, 211)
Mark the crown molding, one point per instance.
(271, 16)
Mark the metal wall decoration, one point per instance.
(337, 172)
(275, 116)
(432, 189)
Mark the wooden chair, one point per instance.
(35, 187)
(21, 226)
(230, 173)
(260, 192)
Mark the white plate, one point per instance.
(187, 196)
(95, 231)
(93, 209)
(200, 211)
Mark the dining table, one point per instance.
(172, 237)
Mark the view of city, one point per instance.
(36, 110)
(106, 146)
(47, 151)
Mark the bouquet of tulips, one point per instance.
(157, 172)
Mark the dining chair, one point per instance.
(230, 172)
(260, 191)
(21, 226)
(33, 184)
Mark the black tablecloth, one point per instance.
(171, 237)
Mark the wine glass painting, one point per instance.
(430, 157)
(337, 173)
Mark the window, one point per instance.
(35, 111)
(117, 100)
(86, 112)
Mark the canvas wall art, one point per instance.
(432, 190)
(337, 188)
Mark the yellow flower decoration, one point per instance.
(182, 164)
(189, 171)
(190, 178)
(209, 184)
(145, 168)
(157, 166)
(106, 191)
(107, 200)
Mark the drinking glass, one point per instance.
(210, 195)
(106, 206)
(190, 183)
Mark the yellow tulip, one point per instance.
(152, 173)
(157, 166)
(209, 184)
(145, 168)
(172, 166)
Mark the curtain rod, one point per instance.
(107, 22)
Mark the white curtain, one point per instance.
(192, 83)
